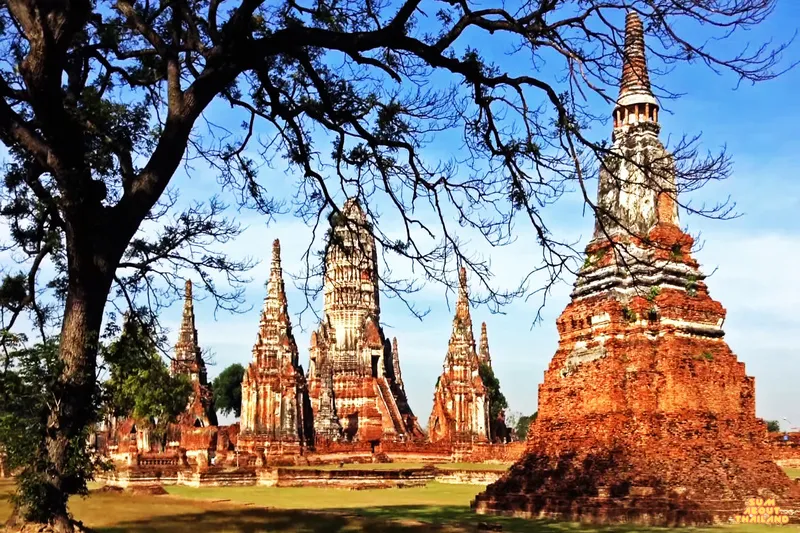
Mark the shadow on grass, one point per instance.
(395, 519)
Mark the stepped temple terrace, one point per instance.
(645, 415)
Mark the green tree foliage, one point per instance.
(227, 389)
(773, 426)
(523, 423)
(140, 385)
(26, 387)
(100, 102)
(497, 401)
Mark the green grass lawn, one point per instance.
(434, 508)
(793, 472)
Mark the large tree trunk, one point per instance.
(73, 410)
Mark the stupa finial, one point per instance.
(636, 103)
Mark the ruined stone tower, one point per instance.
(274, 394)
(189, 361)
(645, 414)
(460, 405)
(484, 356)
(349, 351)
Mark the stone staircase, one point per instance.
(387, 400)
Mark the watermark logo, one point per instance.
(761, 511)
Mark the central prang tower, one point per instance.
(354, 377)
(645, 414)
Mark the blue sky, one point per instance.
(754, 258)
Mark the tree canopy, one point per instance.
(140, 385)
(773, 426)
(497, 400)
(227, 389)
(26, 387)
(523, 424)
(101, 102)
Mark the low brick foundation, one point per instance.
(467, 477)
(355, 479)
(341, 478)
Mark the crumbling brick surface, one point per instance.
(275, 404)
(786, 449)
(645, 414)
(460, 403)
(189, 361)
(354, 382)
(642, 421)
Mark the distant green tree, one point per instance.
(228, 390)
(497, 401)
(140, 385)
(523, 423)
(773, 426)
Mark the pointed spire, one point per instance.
(483, 350)
(189, 361)
(636, 102)
(462, 322)
(276, 288)
(276, 254)
(635, 78)
(275, 328)
(352, 210)
(462, 304)
(396, 362)
(186, 350)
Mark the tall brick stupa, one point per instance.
(645, 414)
(189, 361)
(354, 379)
(275, 406)
(460, 402)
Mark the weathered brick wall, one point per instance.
(495, 453)
(199, 438)
(786, 449)
(227, 437)
(467, 477)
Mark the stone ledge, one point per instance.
(649, 511)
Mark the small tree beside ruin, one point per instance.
(139, 385)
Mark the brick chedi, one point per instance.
(460, 404)
(645, 414)
(354, 380)
(274, 394)
(189, 361)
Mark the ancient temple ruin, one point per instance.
(275, 406)
(354, 381)
(189, 361)
(460, 404)
(645, 414)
